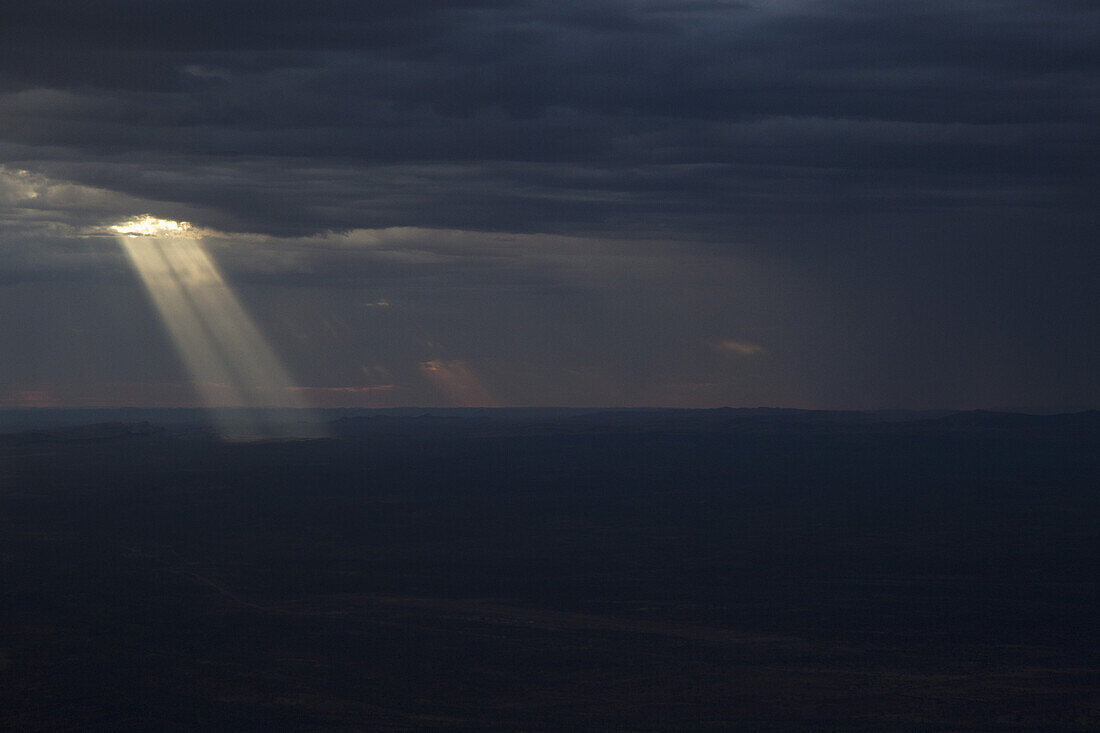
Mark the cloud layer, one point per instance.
(912, 185)
(695, 118)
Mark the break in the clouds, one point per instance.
(574, 202)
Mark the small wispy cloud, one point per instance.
(29, 398)
(362, 395)
(739, 348)
(345, 390)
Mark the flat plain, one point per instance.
(556, 570)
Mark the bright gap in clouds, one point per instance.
(229, 360)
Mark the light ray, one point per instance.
(230, 362)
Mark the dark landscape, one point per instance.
(550, 365)
(552, 570)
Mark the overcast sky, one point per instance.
(837, 204)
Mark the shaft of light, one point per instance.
(227, 357)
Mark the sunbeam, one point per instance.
(233, 368)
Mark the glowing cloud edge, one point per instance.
(147, 225)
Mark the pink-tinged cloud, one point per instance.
(351, 390)
(457, 381)
(30, 398)
(145, 394)
(740, 348)
(368, 395)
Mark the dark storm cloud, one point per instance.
(696, 118)
(893, 202)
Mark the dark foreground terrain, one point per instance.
(727, 570)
